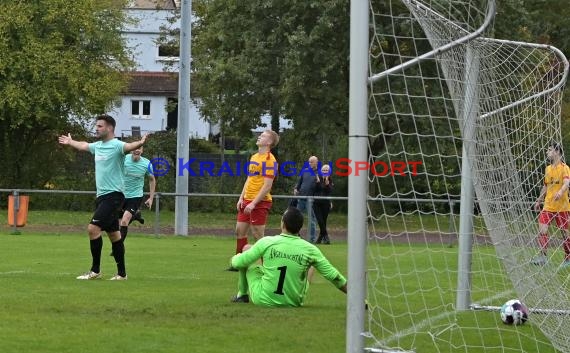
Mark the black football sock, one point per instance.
(119, 255)
(96, 246)
(124, 230)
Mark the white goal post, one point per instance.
(430, 87)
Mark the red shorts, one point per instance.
(545, 217)
(258, 215)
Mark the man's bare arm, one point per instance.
(79, 145)
(131, 146)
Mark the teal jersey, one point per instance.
(109, 167)
(134, 176)
(286, 260)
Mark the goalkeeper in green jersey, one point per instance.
(281, 279)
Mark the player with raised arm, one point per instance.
(282, 277)
(109, 169)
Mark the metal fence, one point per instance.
(158, 196)
(16, 193)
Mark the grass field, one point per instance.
(337, 222)
(177, 297)
(195, 220)
(176, 300)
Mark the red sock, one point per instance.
(543, 242)
(240, 243)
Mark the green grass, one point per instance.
(195, 219)
(336, 221)
(176, 300)
(412, 302)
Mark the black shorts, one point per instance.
(106, 214)
(132, 204)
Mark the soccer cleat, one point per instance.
(241, 299)
(540, 260)
(232, 269)
(118, 278)
(89, 275)
(565, 265)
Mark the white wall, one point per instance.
(125, 120)
(158, 118)
(141, 38)
(142, 35)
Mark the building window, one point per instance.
(168, 51)
(135, 131)
(140, 109)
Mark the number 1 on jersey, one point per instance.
(282, 270)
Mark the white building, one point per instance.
(154, 84)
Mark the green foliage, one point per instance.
(204, 146)
(227, 78)
(288, 58)
(58, 59)
(284, 58)
(538, 21)
(548, 20)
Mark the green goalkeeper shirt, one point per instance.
(286, 260)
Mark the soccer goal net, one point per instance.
(458, 127)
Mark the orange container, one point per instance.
(22, 215)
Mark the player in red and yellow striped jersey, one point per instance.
(255, 200)
(556, 207)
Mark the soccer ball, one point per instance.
(514, 312)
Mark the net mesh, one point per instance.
(497, 102)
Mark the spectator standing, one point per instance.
(322, 207)
(306, 186)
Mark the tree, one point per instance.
(283, 58)
(61, 62)
(225, 79)
(291, 56)
(538, 21)
(315, 77)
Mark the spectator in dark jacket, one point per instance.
(321, 207)
(306, 186)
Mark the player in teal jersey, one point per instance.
(286, 261)
(137, 168)
(109, 156)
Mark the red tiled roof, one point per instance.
(153, 83)
(153, 4)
